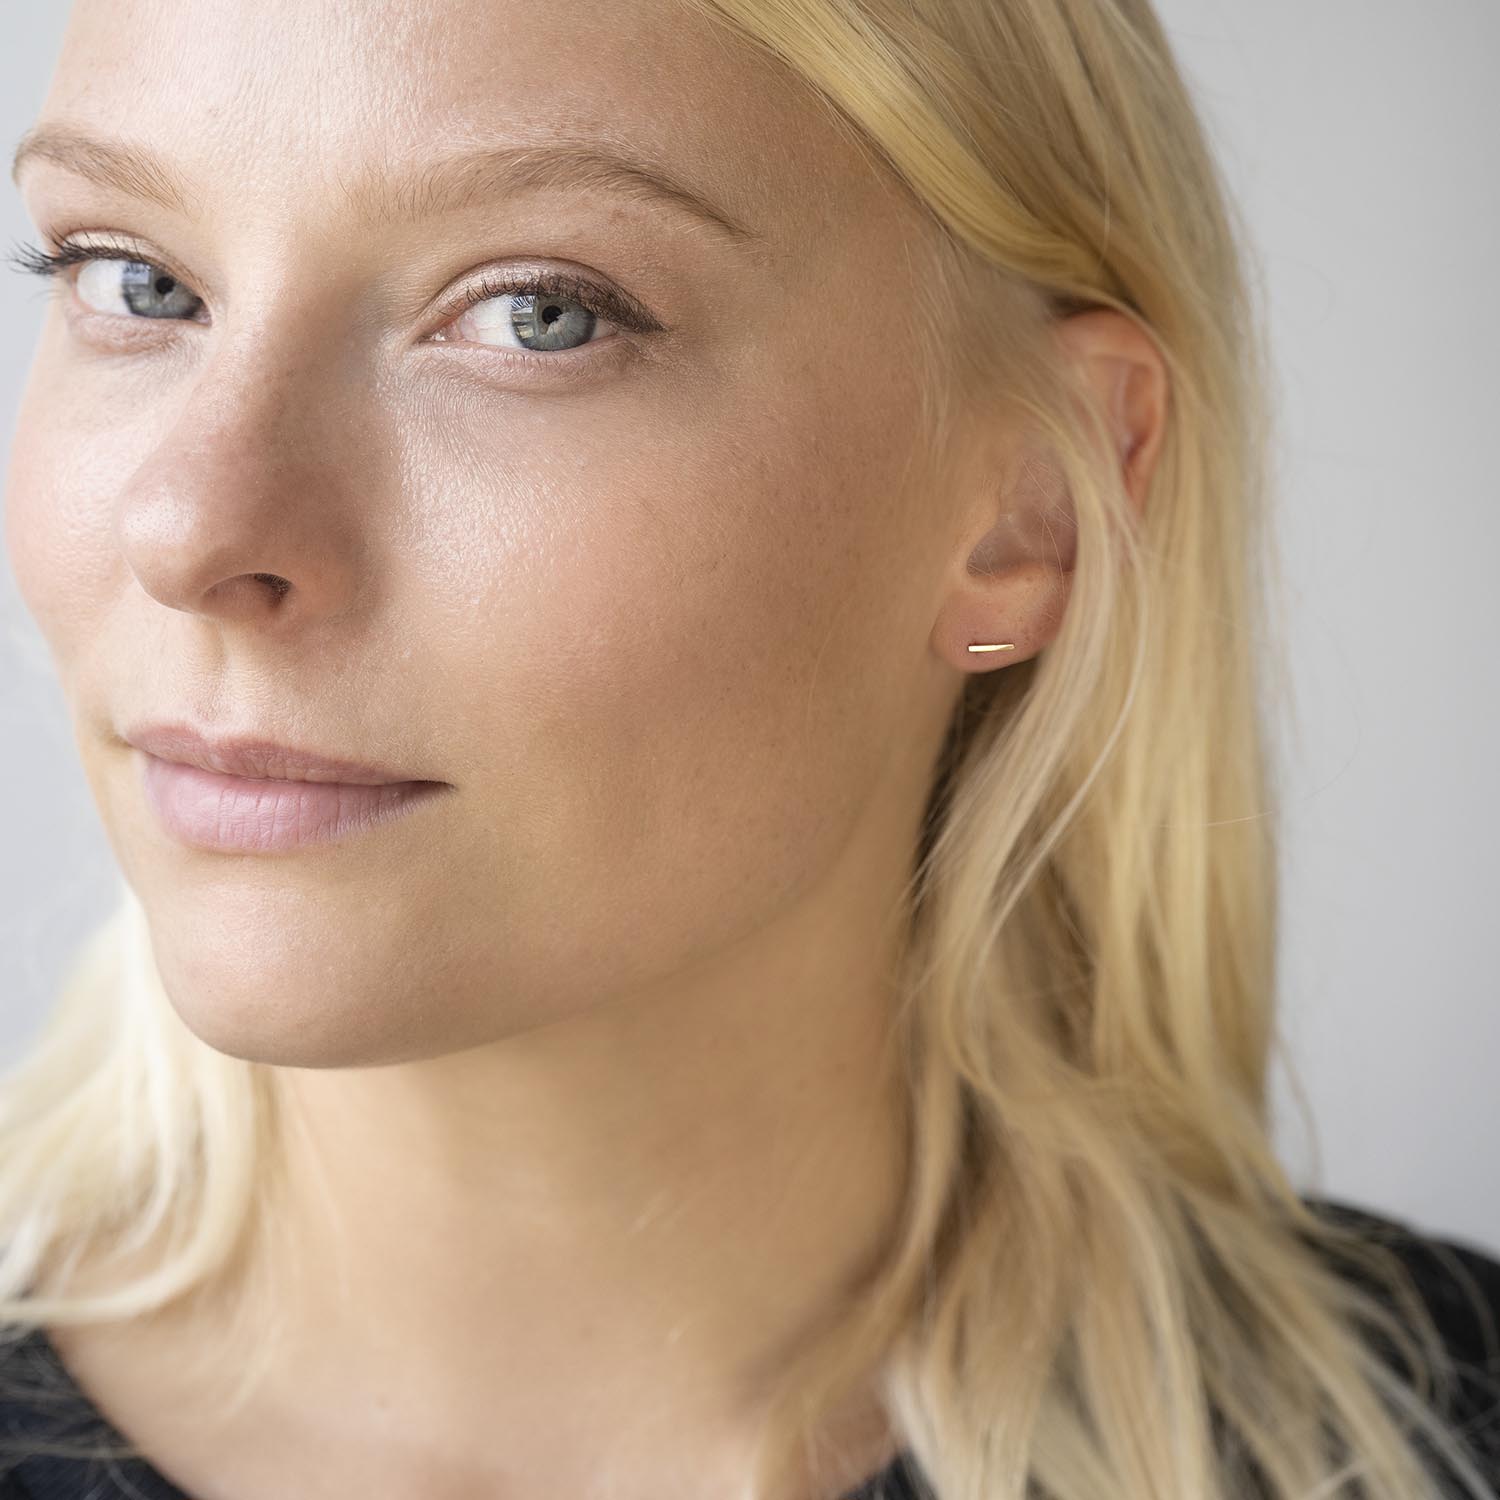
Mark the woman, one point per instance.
(667, 948)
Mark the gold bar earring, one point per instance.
(1008, 646)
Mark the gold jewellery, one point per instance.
(1008, 646)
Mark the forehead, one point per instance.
(297, 95)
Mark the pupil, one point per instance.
(550, 314)
(164, 284)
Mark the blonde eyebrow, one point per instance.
(377, 200)
(112, 164)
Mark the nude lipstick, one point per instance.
(250, 795)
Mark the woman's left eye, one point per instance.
(537, 315)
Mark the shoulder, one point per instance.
(1458, 1283)
(54, 1442)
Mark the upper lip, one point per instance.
(262, 759)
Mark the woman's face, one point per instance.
(648, 584)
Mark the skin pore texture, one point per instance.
(589, 1100)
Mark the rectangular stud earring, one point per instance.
(1008, 646)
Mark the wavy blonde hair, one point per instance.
(1103, 1285)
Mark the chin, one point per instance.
(256, 1017)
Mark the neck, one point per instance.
(607, 1226)
(572, 1257)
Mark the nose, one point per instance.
(255, 504)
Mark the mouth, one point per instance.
(260, 758)
(257, 796)
(250, 815)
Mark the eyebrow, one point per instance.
(465, 180)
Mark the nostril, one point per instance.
(278, 584)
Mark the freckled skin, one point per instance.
(585, 1057)
(643, 617)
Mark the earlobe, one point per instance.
(1010, 615)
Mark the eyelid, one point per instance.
(118, 250)
(618, 307)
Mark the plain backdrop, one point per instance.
(1363, 139)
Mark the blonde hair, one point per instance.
(1103, 1283)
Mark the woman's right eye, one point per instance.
(110, 280)
(132, 288)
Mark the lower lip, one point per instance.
(238, 814)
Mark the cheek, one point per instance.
(675, 668)
(57, 515)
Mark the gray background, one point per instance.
(1363, 139)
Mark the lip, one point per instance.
(255, 796)
(260, 759)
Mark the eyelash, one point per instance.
(617, 308)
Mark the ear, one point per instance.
(1012, 571)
